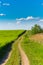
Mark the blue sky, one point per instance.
(20, 14)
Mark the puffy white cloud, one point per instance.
(29, 21)
(21, 23)
(2, 14)
(28, 18)
(6, 4)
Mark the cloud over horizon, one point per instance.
(29, 21)
(21, 23)
(28, 18)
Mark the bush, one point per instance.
(36, 29)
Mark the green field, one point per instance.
(33, 50)
(6, 38)
(15, 57)
(9, 42)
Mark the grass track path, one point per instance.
(24, 58)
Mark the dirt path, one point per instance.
(24, 58)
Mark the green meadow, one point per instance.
(31, 42)
(7, 44)
(8, 36)
(33, 49)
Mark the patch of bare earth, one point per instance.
(37, 37)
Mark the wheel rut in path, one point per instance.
(24, 58)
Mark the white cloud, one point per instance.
(2, 14)
(29, 21)
(6, 4)
(21, 23)
(28, 18)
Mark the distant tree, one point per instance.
(36, 29)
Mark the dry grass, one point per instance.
(34, 50)
(37, 37)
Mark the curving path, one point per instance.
(24, 58)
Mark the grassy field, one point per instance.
(15, 57)
(33, 49)
(8, 36)
(32, 46)
(6, 39)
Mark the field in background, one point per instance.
(6, 39)
(30, 45)
(8, 36)
(33, 49)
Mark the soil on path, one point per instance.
(24, 58)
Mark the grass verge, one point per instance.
(7, 44)
(15, 57)
(33, 50)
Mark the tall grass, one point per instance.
(15, 57)
(33, 50)
(7, 44)
(7, 36)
